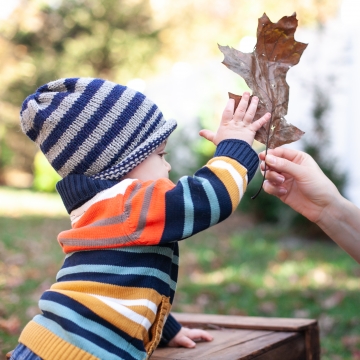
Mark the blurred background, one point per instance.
(264, 260)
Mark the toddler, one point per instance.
(113, 294)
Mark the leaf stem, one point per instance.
(266, 150)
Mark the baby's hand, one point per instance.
(186, 336)
(237, 125)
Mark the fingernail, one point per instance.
(270, 160)
(280, 179)
(282, 191)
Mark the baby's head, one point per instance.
(95, 127)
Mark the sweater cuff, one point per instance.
(240, 151)
(171, 328)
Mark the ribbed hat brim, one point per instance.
(139, 154)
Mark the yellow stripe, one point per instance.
(112, 316)
(48, 346)
(113, 291)
(228, 180)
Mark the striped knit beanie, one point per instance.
(93, 127)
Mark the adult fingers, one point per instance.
(286, 153)
(273, 189)
(273, 176)
(283, 165)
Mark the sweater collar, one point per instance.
(75, 190)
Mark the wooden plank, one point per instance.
(231, 346)
(222, 339)
(252, 348)
(244, 322)
(293, 349)
(312, 342)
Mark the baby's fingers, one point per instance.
(256, 125)
(186, 342)
(228, 112)
(198, 334)
(251, 111)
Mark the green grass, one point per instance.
(235, 268)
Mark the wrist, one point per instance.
(240, 151)
(332, 212)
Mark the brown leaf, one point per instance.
(264, 71)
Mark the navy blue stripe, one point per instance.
(174, 270)
(88, 128)
(70, 326)
(174, 214)
(25, 103)
(70, 84)
(42, 115)
(202, 209)
(140, 281)
(221, 192)
(118, 258)
(77, 107)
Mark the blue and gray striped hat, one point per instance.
(93, 127)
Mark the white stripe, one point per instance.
(125, 311)
(117, 189)
(126, 302)
(59, 85)
(220, 164)
(45, 100)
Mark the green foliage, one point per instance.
(45, 177)
(113, 39)
(5, 153)
(253, 272)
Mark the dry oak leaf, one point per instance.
(264, 71)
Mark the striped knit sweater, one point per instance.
(114, 291)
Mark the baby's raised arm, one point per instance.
(238, 124)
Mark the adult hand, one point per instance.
(297, 180)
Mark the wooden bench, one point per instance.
(245, 337)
